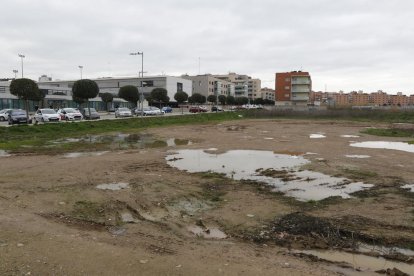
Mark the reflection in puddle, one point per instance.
(84, 154)
(358, 156)
(410, 187)
(4, 153)
(350, 136)
(208, 233)
(269, 138)
(361, 262)
(113, 186)
(317, 136)
(135, 140)
(278, 170)
(385, 145)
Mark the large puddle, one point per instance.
(317, 136)
(280, 171)
(84, 154)
(360, 262)
(124, 140)
(385, 145)
(113, 186)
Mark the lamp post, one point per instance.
(81, 68)
(142, 76)
(15, 73)
(21, 56)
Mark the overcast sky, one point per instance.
(345, 45)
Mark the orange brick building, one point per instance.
(293, 87)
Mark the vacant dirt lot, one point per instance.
(55, 221)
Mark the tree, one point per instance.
(78, 100)
(211, 98)
(230, 100)
(198, 98)
(107, 98)
(25, 89)
(241, 100)
(129, 93)
(222, 99)
(84, 89)
(181, 97)
(259, 101)
(160, 95)
(191, 100)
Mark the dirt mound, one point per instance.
(302, 231)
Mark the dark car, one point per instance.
(197, 109)
(18, 116)
(167, 109)
(94, 115)
(216, 109)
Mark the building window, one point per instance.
(287, 87)
(287, 79)
(2, 89)
(179, 86)
(148, 83)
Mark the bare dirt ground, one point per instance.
(54, 221)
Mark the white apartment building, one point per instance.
(207, 85)
(245, 86)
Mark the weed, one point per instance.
(359, 174)
(389, 132)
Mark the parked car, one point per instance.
(149, 110)
(17, 116)
(216, 108)
(46, 115)
(123, 112)
(93, 115)
(70, 114)
(167, 109)
(197, 109)
(4, 114)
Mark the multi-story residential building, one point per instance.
(293, 87)
(379, 98)
(399, 99)
(267, 94)
(358, 98)
(207, 85)
(59, 92)
(244, 86)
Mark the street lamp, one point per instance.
(81, 68)
(142, 76)
(15, 73)
(22, 57)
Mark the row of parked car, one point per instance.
(146, 111)
(18, 116)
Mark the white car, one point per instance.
(4, 115)
(152, 110)
(123, 112)
(70, 114)
(45, 115)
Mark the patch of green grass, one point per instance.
(389, 132)
(89, 211)
(19, 137)
(359, 174)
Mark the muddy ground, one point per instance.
(54, 221)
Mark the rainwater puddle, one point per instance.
(209, 233)
(361, 262)
(358, 156)
(385, 145)
(350, 136)
(269, 138)
(84, 154)
(135, 140)
(317, 136)
(282, 171)
(113, 186)
(4, 153)
(410, 187)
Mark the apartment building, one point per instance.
(379, 98)
(244, 85)
(267, 94)
(207, 85)
(293, 87)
